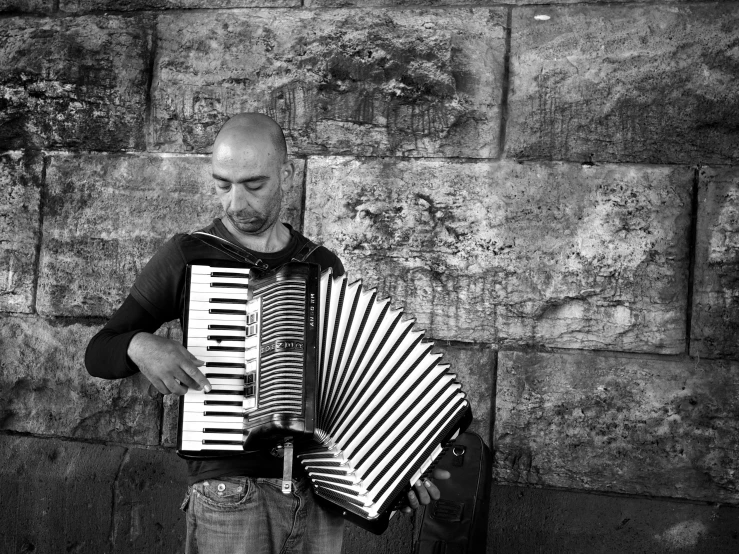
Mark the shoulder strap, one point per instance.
(228, 248)
(308, 248)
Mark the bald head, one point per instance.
(247, 127)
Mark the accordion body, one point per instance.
(293, 352)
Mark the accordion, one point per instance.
(297, 353)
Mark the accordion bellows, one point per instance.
(292, 352)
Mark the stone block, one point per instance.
(555, 254)
(57, 495)
(715, 322)
(474, 366)
(74, 82)
(20, 226)
(149, 489)
(26, 6)
(651, 84)
(364, 82)
(618, 423)
(81, 6)
(398, 537)
(105, 216)
(443, 3)
(45, 389)
(525, 519)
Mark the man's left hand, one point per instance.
(424, 491)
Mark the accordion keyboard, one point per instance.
(223, 331)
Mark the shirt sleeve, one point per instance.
(107, 353)
(158, 288)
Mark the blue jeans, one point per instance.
(252, 516)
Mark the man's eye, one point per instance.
(223, 186)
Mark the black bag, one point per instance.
(457, 522)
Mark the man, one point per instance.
(233, 504)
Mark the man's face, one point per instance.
(249, 176)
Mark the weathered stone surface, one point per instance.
(20, 225)
(57, 495)
(444, 3)
(475, 367)
(715, 321)
(632, 84)
(149, 489)
(626, 424)
(557, 254)
(77, 6)
(26, 6)
(73, 82)
(45, 389)
(106, 215)
(524, 519)
(370, 82)
(397, 538)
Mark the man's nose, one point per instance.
(239, 198)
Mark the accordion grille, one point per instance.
(281, 378)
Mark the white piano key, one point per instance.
(200, 408)
(207, 307)
(200, 426)
(205, 269)
(198, 446)
(216, 319)
(219, 382)
(200, 436)
(206, 279)
(235, 371)
(210, 421)
(213, 289)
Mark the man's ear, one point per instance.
(287, 173)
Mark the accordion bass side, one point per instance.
(293, 352)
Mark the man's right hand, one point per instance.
(167, 364)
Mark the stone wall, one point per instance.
(552, 191)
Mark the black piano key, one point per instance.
(215, 430)
(226, 301)
(219, 338)
(215, 375)
(226, 275)
(226, 328)
(219, 285)
(221, 403)
(225, 364)
(221, 391)
(226, 349)
(216, 311)
(221, 442)
(220, 414)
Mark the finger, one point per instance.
(193, 378)
(413, 500)
(441, 474)
(159, 385)
(422, 492)
(175, 387)
(432, 489)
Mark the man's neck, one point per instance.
(274, 239)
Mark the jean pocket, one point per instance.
(225, 492)
(186, 500)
